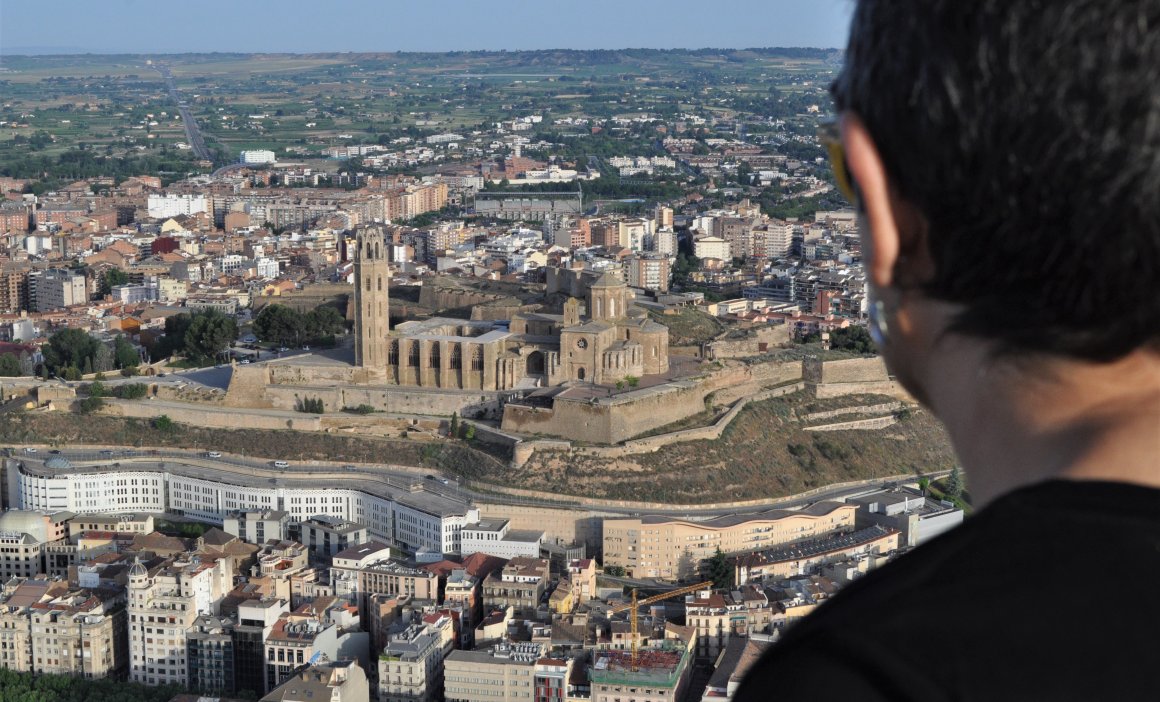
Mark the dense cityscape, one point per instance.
(417, 377)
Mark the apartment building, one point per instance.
(804, 557)
(650, 271)
(24, 538)
(326, 536)
(55, 288)
(675, 549)
(325, 627)
(504, 673)
(411, 666)
(718, 617)
(78, 632)
(255, 620)
(337, 681)
(257, 526)
(210, 655)
(520, 585)
(495, 537)
(165, 599)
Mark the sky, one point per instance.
(309, 26)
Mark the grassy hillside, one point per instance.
(765, 452)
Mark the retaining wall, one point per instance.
(856, 424)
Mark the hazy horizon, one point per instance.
(367, 26)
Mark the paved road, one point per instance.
(431, 481)
(192, 132)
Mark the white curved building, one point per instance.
(413, 519)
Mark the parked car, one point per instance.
(213, 454)
(29, 450)
(281, 464)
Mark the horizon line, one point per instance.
(47, 52)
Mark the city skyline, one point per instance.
(135, 27)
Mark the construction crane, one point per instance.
(632, 607)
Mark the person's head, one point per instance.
(1008, 158)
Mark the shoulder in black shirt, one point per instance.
(1050, 593)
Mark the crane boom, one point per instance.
(632, 608)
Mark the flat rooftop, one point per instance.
(368, 482)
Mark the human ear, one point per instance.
(866, 167)
(895, 248)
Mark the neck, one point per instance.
(1019, 422)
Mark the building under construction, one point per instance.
(660, 674)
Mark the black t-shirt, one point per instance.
(1050, 593)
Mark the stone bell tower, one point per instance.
(372, 275)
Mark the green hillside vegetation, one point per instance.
(765, 452)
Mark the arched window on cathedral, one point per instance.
(456, 356)
(380, 284)
(612, 307)
(433, 358)
(413, 355)
(393, 354)
(476, 359)
(368, 284)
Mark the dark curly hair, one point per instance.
(1028, 133)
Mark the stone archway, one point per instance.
(536, 364)
(580, 374)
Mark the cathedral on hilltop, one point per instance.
(607, 342)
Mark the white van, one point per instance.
(281, 464)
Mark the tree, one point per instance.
(210, 333)
(453, 430)
(110, 278)
(173, 341)
(103, 359)
(164, 423)
(323, 321)
(719, 570)
(98, 389)
(91, 404)
(68, 348)
(470, 433)
(124, 355)
(279, 324)
(132, 391)
(954, 485)
(9, 365)
(856, 339)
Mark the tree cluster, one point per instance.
(71, 353)
(855, 339)
(28, 687)
(310, 405)
(199, 336)
(279, 324)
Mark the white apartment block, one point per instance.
(258, 156)
(711, 247)
(496, 538)
(165, 206)
(414, 521)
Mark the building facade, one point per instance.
(614, 341)
(675, 549)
